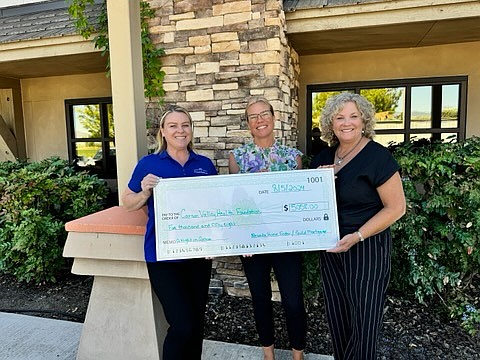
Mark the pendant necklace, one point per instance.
(340, 159)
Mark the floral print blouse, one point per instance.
(251, 158)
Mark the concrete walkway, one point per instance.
(34, 338)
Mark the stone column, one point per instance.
(127, 86)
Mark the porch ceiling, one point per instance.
(406, 35)
(54, 66)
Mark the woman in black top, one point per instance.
(370, 198)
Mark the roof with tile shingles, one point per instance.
(40, 21)
(51, 19)
(292, 5)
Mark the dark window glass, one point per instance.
(91, 136)
(430, 108)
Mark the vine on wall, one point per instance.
(153, 74)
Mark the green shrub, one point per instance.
(311, 275)
(37, 200)
(306, 160)
(436, 243)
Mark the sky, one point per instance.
(421, 97)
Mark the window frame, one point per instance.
(104, 139)
(408, 84)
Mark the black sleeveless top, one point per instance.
(356, 183)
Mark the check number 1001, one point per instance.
(314, 179)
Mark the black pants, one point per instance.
(354, 288)
(182, 288)
(288, 272)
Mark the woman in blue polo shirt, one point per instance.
(181, 286)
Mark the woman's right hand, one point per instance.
(149, 182)
(135, 200)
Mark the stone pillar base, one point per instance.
(124, 320)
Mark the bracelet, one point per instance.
(360, 236)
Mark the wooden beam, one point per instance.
(8, 143)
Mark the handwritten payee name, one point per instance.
(185, 214)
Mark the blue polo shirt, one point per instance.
(164, 166)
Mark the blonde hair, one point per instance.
(335, 104)
(161, 143)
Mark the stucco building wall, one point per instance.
(44, 110)
(432, 61)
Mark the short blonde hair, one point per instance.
(257, 99)
(161, 143)
(335, 104)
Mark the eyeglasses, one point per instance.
(264, 115)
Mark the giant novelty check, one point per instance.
(223, 215)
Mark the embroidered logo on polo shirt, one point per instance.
(200, 171)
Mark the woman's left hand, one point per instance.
(326, 166)
(345, 243)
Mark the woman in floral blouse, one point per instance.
(267, 154)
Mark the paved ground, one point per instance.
(33, 338)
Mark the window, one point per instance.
(430, 108)
(91, 136)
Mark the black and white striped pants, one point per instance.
(354, 287)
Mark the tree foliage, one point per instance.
(89, 118)
(383, 100)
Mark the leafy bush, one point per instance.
(306, 160)
(436, 244)
(311, 278)
(38, 198)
